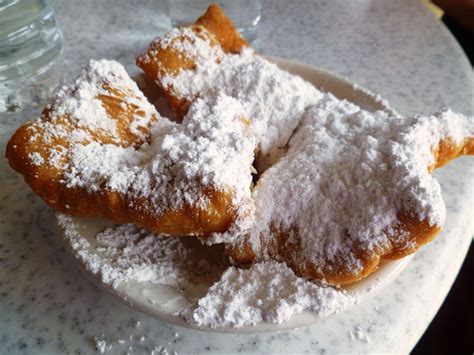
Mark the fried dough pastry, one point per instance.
(209, 38)
(101, 149)
(353, 190)
(210, 57)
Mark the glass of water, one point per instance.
(245, 14)
(30, 42)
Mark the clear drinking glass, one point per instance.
(245, 14)
(30, 42)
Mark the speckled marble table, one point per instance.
(394, 48)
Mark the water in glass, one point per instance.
(30, 41)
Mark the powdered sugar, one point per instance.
(273, 98)
(36, 158)
(353, 173)
(218, 295)
(267, 292)
(129, 253)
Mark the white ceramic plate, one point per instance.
(162, 301)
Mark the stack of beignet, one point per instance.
(337, 189)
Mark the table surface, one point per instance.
(394, 48)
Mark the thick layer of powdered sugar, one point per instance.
(346, 177)
(274, 99)
(212, 148)
(219, 295)
(267, 292)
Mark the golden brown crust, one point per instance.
(336, 272)
(447, 150)
(217, 23)
(158, 62)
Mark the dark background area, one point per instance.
(452, 329)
